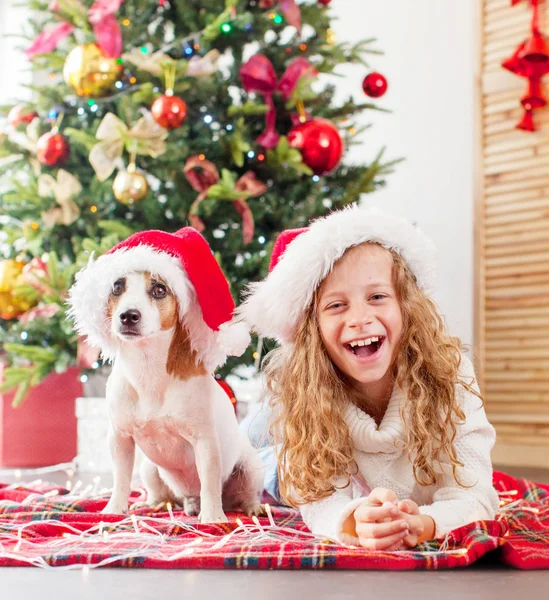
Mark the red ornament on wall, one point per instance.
(320, 144)
(169, 111)
(52, 149)
(374, 85)
(531, 61)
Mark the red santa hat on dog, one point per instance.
(185, 262)
(302, 259)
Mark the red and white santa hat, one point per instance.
(185, 262)
(302, 259)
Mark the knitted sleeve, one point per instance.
(326, 517)
(453, 505)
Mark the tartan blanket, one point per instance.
(49, 526)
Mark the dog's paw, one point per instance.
(191, 505)
(212, 516)
(115, 508)
(257, 510)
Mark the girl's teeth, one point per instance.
(363, 342)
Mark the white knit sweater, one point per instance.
(383, 462)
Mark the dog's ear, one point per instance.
(182, 361)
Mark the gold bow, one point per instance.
(151, 63)
(27, 141)
(63, 189)
(145, 137)
(203, 66)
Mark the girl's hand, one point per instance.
(421, 527)
(378, 522)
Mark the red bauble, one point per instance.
(320, 144)
(324, 2)
(169, 111)
(228, 390)
(19, 114)
(52, 149)
(374, 85)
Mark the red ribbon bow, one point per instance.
(202, 174)
(258, 75)
(105, 26)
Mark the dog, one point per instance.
(160, 309)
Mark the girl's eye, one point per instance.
(118, 287)
(378, 297)
(334, 305)
(159, 291)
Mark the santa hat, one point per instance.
(302, 259)
(186, 263)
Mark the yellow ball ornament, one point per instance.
(89, 72)
(11, 306)
(9, 272)
(129, 186)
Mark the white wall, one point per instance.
(428, 61)
(14, 66)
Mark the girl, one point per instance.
(380, 429)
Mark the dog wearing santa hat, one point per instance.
(159, 307)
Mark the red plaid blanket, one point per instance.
(51, 527)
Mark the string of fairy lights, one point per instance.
(165, 537)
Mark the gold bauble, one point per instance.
(9, 272)
(12, 306)
(89, 72)
(129, 186)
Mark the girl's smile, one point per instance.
(360, 319)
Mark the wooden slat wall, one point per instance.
(512, 316)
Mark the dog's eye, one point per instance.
(118, 287)
(159, 291)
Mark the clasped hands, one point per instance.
(382, 522)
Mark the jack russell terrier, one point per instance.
(160, 309)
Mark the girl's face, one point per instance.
(360, 319)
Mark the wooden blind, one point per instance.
(512, 210)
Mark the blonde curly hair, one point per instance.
(308, 395)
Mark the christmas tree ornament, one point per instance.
(169, 111)
(258, 75)
(10, 270)
(324, 2)
(11, 306)
(374, 85)
(320, 144)
(20, 114)
(63, 189)
(89, 72)
(145, 138)
(52, 149)
(130, 186)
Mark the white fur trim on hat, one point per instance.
(89, 295)
(274, 307)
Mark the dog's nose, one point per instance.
(130, 317)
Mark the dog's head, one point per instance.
(141, 305)
(153, 282)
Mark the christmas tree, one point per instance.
(159, 114)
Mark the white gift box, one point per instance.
(92, 430)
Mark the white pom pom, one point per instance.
(234, 337)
